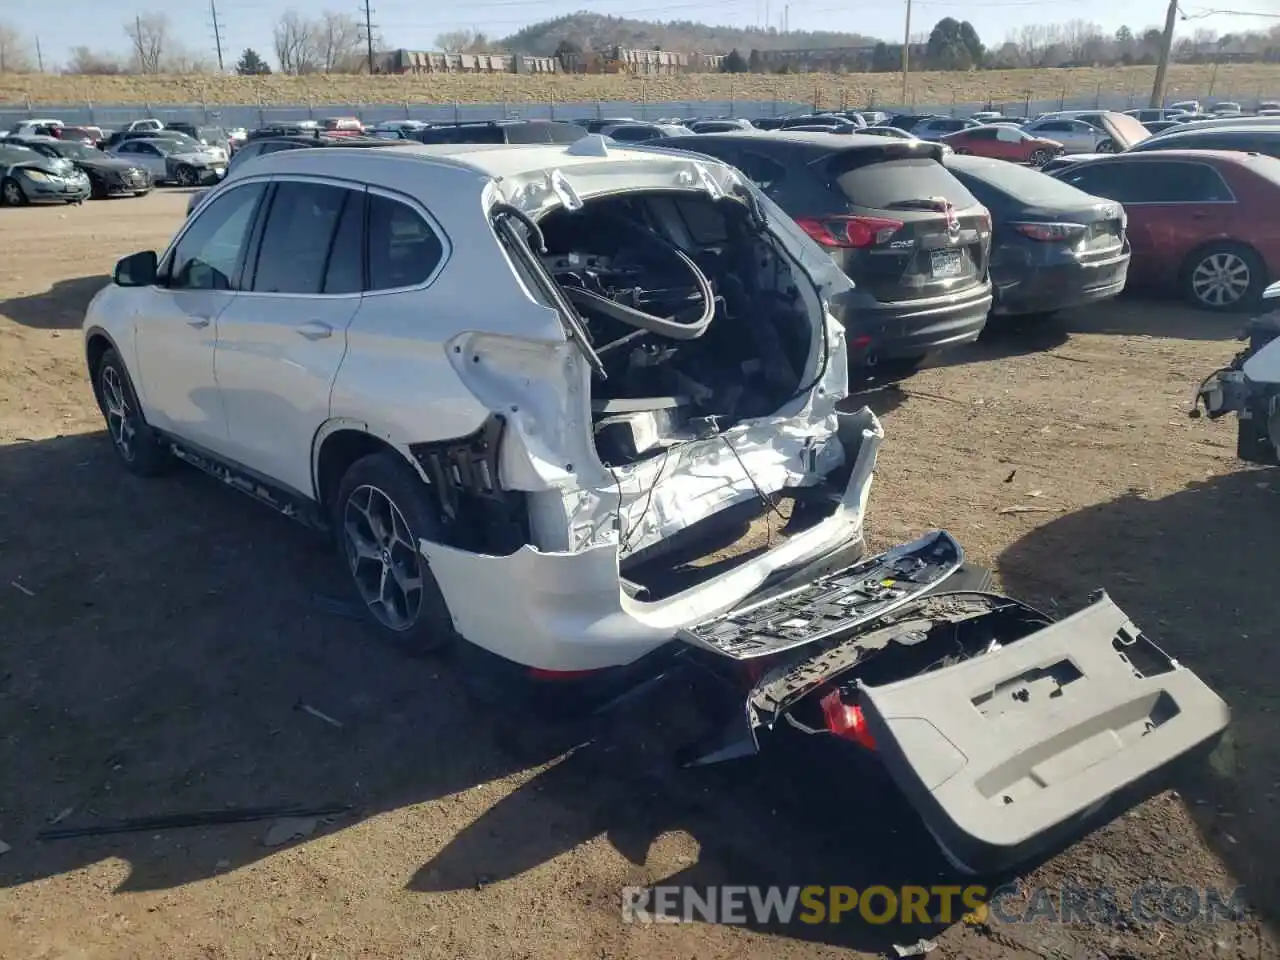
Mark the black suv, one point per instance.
(502, 131)
(914, 241)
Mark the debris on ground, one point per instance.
(1024, 508)
(18, 586)
(203, 818)
(289, 828)
(307, 708)
(917, 949)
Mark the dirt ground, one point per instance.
(852, 90)
(157, 639)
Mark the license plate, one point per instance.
(947, 263)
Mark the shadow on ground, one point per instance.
(1196, 570)
(158, 638)
(61, 307)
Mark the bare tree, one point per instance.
(149, 34)
(456, 41)
(295, 41)
(1031, 40)
(178, 59)
(86, 61)
(338, 39)
(15, 56)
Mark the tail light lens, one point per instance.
(1051, 232)
(855, 232)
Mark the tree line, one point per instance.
(336, 43)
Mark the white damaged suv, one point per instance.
(533, 389)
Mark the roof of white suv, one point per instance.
(587, 167)
(489, 159)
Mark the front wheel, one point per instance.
(1040, 157)
(136, 445)
(380, 513)
(1224, 276)
(1106, 146)
(11, 193)
(186, 176)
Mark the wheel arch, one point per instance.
(96, 344)
(340, 443)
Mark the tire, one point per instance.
(1224, 277)
(138, 448)
(380, 513)
(186, 176)
(1106, 146)
(1040, 157)
(11, 193)
(98, 190)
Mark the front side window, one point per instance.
(210, 250)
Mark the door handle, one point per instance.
(315, 329)
(198, 321)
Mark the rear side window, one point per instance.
(890, 183)
(299, 236)
(765, 173)
(634, 133)
(404, 250)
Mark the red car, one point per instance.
(1004, 141)
(1203, 222)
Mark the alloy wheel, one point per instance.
(13, 195)
(1039, 158)
(1221, 279)
(383, 557)
(120, 420)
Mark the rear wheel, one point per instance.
(1224, 276)
(1106, 146)
(11, 193)
(380, 513)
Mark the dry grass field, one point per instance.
(1248, 81)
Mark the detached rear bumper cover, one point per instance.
(1000, 752)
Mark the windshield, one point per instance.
(77, 151)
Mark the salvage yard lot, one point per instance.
(157, 640)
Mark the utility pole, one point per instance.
(368, 32)
(39, 55)
(217, 31)
(1166, 51)
(906, 56)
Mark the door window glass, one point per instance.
(209, 251)
(403, 248)
(301, 228)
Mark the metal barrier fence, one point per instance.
(255, 115)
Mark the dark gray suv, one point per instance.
(911, 237)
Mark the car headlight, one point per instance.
(38, 176)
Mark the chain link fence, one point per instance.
(250, 116)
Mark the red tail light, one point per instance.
(1051, 232)
(845, 720)
(848, 231)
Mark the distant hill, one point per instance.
(595, 31)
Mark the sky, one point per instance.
(415, 25)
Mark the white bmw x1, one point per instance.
(528, 387)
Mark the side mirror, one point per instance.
(136, 270)
(1272, 292)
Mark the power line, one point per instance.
(218, 27)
